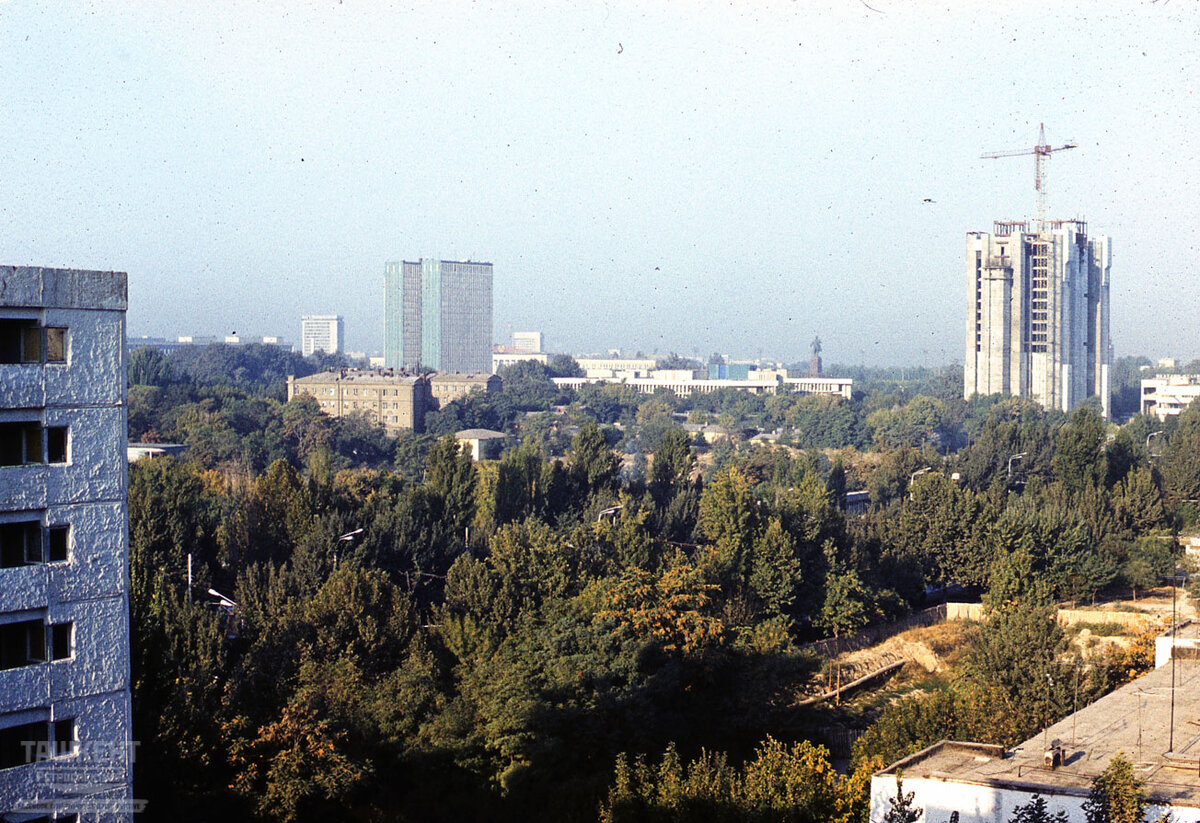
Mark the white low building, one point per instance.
(500, 359)
(984, 784)
(1165, 396)
(683, 386)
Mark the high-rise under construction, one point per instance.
(1037, 314)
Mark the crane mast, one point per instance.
(1040, 152)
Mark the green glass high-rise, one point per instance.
(438, 315)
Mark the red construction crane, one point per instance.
(1042, 149)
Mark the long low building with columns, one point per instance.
(683, 386)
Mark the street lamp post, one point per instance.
(223, 601)
(914, 476)
(348, 537)
(1013, 457)
(1149, 455)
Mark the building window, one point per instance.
(40, 740)
(15, 748)
(59, 544)
(20, 544)
(62, 641)
(24, 341)
(20, 443)
(56, 344)
(56, 444)
(22, 643)
(64, 737)
(20, 341)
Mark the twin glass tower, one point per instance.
(438, 315)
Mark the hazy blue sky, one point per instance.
(686, 176)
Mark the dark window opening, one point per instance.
(64, 737)
(20, 544)
(59, 544)
(56, 444)
(22, 644)
(24, 341)
(20, 744)
(61, 636)
(20, 443)
(20, 341)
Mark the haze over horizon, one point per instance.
(692, 177)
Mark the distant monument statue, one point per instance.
(814, 363)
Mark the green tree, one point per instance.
(943, 526)
(594, 467)
(846, 609)
(1117, 794)
(528, 385)
(792, 783)
(670, 485)
(1137, 502)
(1148, 561)
(775, 571)
(1080, 460)
(564, 365)
(1020, 640)
(1180, 462)
(1035, 811)
(148, 367)
(900, 807)
(729, 520)
(450, 474)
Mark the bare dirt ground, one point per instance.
(932, 649)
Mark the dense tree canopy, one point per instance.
(410, 624)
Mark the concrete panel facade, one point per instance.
(1037, 314)
(72, 692)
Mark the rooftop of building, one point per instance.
(462, 377)
(63, 288)
(479, 434)
(380, 376)
(421, 260)
(1135, 719)
(1172, 380)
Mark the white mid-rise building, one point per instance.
(64, 595)
(500, 359)
(606, 367)
(322, 332)
(527, 341)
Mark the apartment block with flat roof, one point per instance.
(446, 388)
(1169, 394)
(397, 401)
(527, 341)
(322, 332)
(65, 727)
